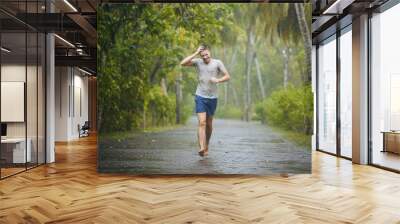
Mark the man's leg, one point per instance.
(209, 128)
(202, 132)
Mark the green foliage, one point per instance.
(298, 138)
(140, 47)
(230, 112)
(289, 108)
(159, 107)
(188, 107)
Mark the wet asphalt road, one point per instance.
(236, 147)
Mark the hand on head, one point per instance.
(200, 49)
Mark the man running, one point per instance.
(206, 93)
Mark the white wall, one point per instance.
(80, 110)
(16, 73)
(34, 125)
(71, 94)
(62, 81)
(12, 73)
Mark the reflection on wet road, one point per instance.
(236, 147)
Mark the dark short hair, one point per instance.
(206, 47)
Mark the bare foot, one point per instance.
(206, 152)
(201, 152)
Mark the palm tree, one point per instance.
(247, 17)
(305, 33)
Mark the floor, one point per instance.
(71, 191)
(387, 159)
(236, 147)
(10, 171)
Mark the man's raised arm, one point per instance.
(188, 60)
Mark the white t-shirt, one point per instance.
(205, 87)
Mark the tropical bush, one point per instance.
(160, 107)
(140, 47)
(289, 108)
(229, 111)
(139, 51)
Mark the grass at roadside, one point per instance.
(123, 135)
(298, 138)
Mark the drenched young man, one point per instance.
(208, 70)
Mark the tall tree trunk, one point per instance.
(230, 70)
(235, 96)
(259, 77)
(178, 99)
(285, 53)
(225, 87)
(157, 66)
(144, 115)
(164, 86)
(305, 33)
(249, 60)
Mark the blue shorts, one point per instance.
(205, 105)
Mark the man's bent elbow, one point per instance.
(184, 63)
